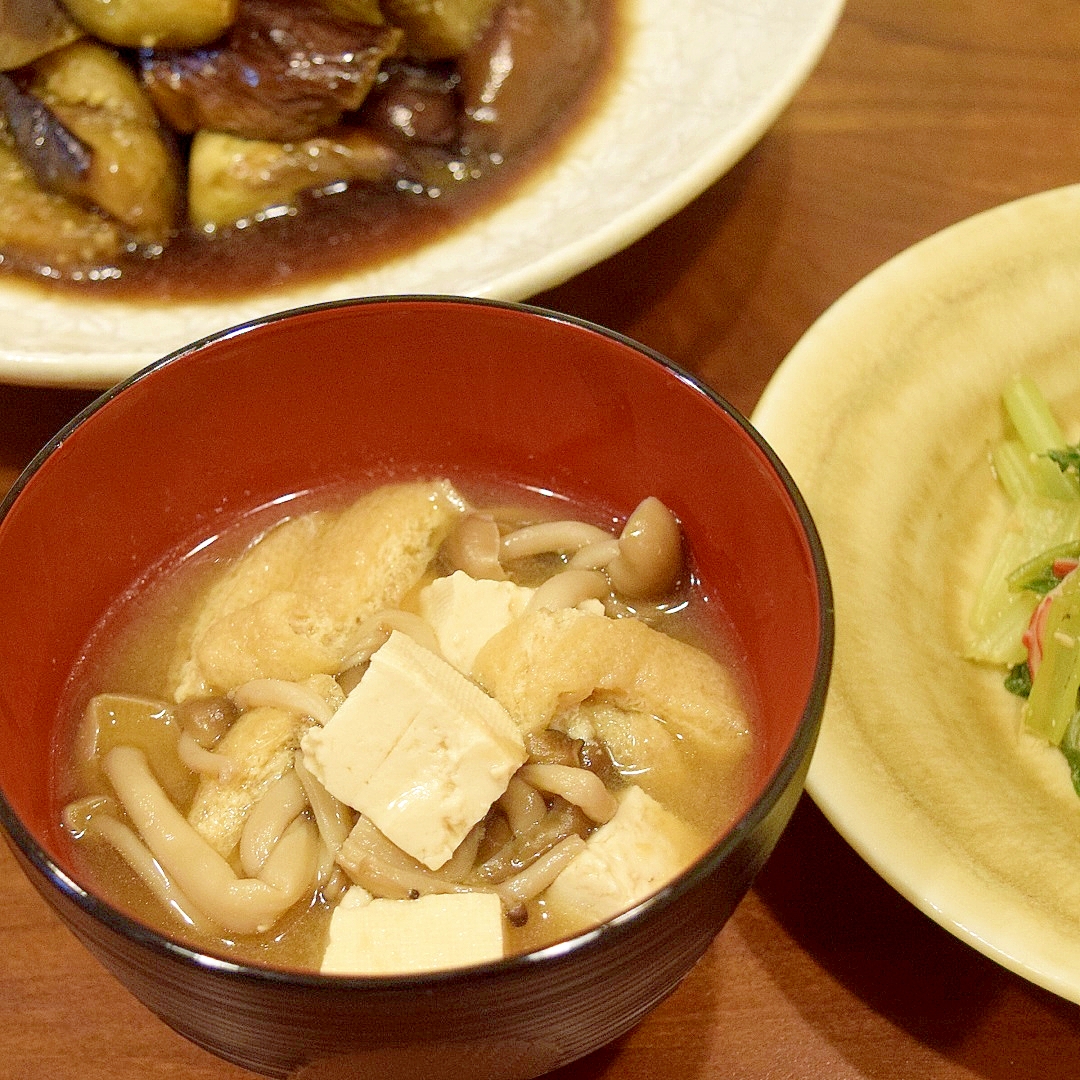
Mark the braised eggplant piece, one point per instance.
(149, 23)
(58, 159)
(162, 123)
(131, 169)
(439, 29)
(412, 105)
(32, 28)
(282, 73)
(356, 11)
(232, 179)
(45, 228)
(529, 64)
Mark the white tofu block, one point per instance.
(465, 612)
(636, 853)
(418, 748)
(393, 937)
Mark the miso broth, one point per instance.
(606, 737)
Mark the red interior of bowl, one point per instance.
(367, 391)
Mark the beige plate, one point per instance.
(700, 84)
(884, 412)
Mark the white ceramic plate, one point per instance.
(700, 84)
(884, 413)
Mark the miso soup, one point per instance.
(424, 726)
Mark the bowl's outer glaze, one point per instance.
(363, 393)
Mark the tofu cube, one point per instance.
(636, 853)
(465, 612)
(417, 748)
(394, 937)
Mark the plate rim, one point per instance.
(55, 366)
(831, 777)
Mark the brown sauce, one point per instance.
(328, 234)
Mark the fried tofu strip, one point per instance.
(257, 751)
(546, 662)
(293, 604)
(261, 746)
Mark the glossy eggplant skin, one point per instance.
(282, 73)
(130, 171)
(52, 230)
(414, 105)
(526, 67)
(56, 156)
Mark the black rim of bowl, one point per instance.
(801, 745)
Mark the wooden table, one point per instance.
(918, 115)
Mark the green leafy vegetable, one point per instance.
(999, 615)
(1066, 458)
(1039, 433)
(1052, 701)
(1018, 681)
(1026, 615)
(1070, 747)
(1037, 575)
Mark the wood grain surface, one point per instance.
(917, 116)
